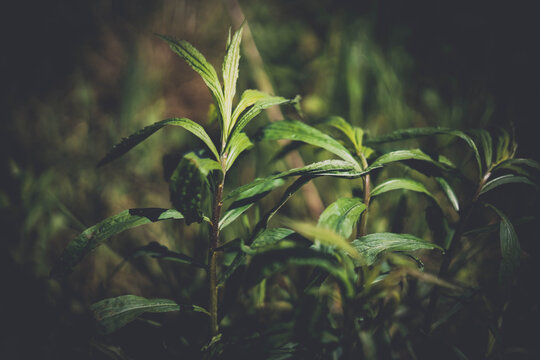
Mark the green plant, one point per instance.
(359, 278)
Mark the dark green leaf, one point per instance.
(131, 141)
(510, 163)
(400, 184)
(450, 194)
(506, 179)
(342, 215)
(187, 186)
(372, 245)
(97, 234)
(246, 199)
(156, 250)
(486, 143)
(298, 131)
(271, 237)
(114, 313)
(266, 264)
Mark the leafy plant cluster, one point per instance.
(326, 288)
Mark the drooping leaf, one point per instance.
(113, 313)
(510, 248)
(510, 163)
(325, 236)
(238, 142)
(268, 263)
(131, 141)
(342, 215)
(450, 194)
(230, 75)
(156, 250)
(246, 199)
(298, 131)
(400, 184)
(97, 234)
(412, 133)
(187, 187)
(198, 62)
(372, 245)
(506, 179)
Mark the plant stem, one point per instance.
(361, 229)
(214, 244)
(449, 254)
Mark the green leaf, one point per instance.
(131, 141)
(248, 98)
(113, 313)
(400, 184)
(325, 236)
(506, 179)
(198, 62)
(372, 245)
(400, 155)
(510, 163)
(298, 131)
(268, 263)
(238, 142)
(342, 215)
(230, 75)
(94, 236)
(187, 187)
(338, 123)
(510, 248)
(486, 143)
(450, 194)
(406, 134)
(246, 199)
(156, 250)
(271, 237)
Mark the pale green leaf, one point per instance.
(230, 75)
(400, 155)
(298, 131)
(131, 141)
(400, 184)
(450, 194)
(506, 179)
(113, 313)
(94, 236)
(372, 246)
(342, 215)
(238, 143)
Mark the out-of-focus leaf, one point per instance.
(510, 163)
(342, 215)
(198, 62)
(230, 75)
(327, 237)
(187, 186)
(510, 248)
(156, 250)
(97, 234)
(268, 263)
(298, 131)
(238, 142)
(506, 179)
(131, 141)
(113, 313)
(450, 194)
(372, 245)
(406, 134)
(400, 184)
(246, 199)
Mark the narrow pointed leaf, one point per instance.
(486, 143)
(198, 62)
(266, 264)
(373, 245)
(97, 234)
(406, 134)
(400, 155)
(450, 194)
(400, 184)
(187, 186)
(230, 75)
(239, 142)
(506, 179)
(158, 251)
(246, 199)
(342, 215)
(298, 131)
(114, 313)
(131, 141)
(271, 237)
(510, 163)
(340, 124)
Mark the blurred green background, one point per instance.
(77, 76)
